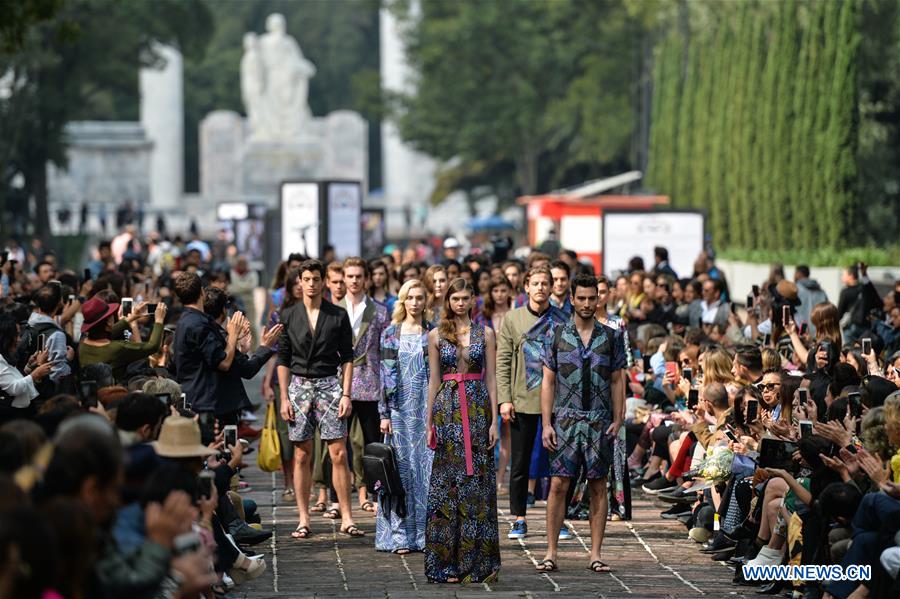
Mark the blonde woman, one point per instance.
(404, 381)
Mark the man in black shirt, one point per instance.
(315, 374)
(202, 352)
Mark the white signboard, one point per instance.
(300, 219)
(579, 233)
(344, 219)
(630, 234)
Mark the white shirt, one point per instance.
(20, 388)
(356, 313)
(709, 311)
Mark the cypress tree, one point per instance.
(683, 180)
(842, 132)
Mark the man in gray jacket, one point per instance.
(810, 293)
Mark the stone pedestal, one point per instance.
(235, 169)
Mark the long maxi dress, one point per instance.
(404, 376)
(461, 537)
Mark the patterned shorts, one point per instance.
(315, 403)
(581, 441)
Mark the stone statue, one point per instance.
(252, 82)
(275, 83)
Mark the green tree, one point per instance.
(89, 51)
(541, 86)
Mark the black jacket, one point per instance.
(320, 354)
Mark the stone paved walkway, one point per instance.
(650, 557)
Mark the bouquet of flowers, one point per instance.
(716, 466)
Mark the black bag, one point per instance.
(383, 477)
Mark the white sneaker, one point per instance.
(227, 581)
(767, 557)
(254, 569)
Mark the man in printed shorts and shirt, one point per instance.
(581, 413)
(316, 345)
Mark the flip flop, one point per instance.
(319, 507)
(302, 532)
(546, 565)
(352, 531)
(332, 513)
(368, 506)
(598, 566)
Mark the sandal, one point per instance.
(546, 565)
(368, 506)
(352, 531)
(319, 507)
(287, 493)
(302, 532)
(598, 566)
(332, 513)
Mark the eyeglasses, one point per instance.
(768, 386)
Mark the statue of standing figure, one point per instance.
(275, 83)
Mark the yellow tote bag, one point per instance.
(269, 457)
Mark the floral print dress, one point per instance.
(461, 537)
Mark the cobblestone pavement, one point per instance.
(650, 557)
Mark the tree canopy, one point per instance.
(546, 88)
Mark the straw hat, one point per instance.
(180, 438)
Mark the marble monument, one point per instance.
(247, 158)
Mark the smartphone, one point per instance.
(41, 341)
(774, 453)
(866, 346)
(731, 436)
(71, 299)
(151, 308)
(749, 302)
(186, 543)
(767, 340)
(127, 302)
(687, 373)
(802, 396)
(693, 398)
(647, 367)
(165, 398)
(205, 482)
(231, 437)
(785, 314)
(755, 290)
(672, 368)
(854, 404)
(804, 329)
(88, 389)
(806, 429)
(752, 410)
(87, 274)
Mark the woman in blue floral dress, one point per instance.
(404, 379)
(461, 538)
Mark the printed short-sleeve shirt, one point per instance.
(583, 374)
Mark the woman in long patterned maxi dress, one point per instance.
(404, 378)
(461, 537)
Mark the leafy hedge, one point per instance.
(755, 120)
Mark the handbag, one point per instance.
(383, 477)
(269, 457)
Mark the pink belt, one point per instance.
(464, 409)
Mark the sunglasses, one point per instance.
(768, 386)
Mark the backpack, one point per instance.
(383, 477)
